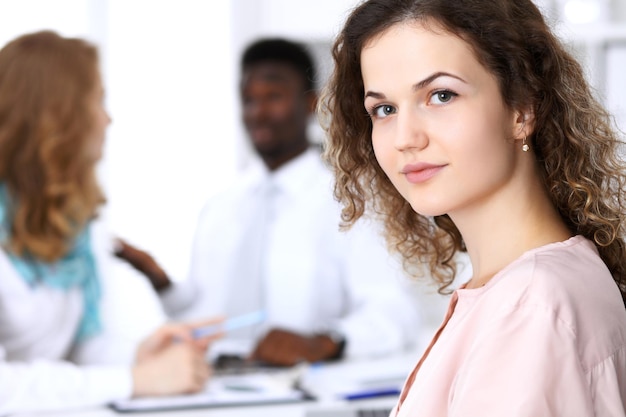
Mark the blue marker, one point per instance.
(372, 393)
(230, 324)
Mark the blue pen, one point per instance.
(372, 393)
(232, 323)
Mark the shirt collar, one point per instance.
(293, 177)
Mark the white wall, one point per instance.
(17, 17)
(616, 84)
(171, 92)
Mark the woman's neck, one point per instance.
(498, 233)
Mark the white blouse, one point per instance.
(41, 368)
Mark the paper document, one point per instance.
(359, 379)
(229, 390)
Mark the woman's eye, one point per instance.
(441, 97)
(383, 111)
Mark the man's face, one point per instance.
(276, 107)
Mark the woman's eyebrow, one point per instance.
(433, 77)
(419, 85)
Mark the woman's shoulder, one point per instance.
(570, 272)
(570, 267)
(569, 283)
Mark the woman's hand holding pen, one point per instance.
(171, 361)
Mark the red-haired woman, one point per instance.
(52, 129)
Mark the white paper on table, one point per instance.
(228, 390)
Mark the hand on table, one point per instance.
(285, 348)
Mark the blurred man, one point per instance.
(272, 242)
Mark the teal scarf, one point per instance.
(76, 269)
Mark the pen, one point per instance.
(232, 323)
(372, 393)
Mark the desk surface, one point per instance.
(286, 410)
(281, 410)
(321, 378)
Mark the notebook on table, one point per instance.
(226, 391)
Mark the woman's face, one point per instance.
(100, 121)
(440, 129)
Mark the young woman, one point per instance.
(52, 129)
(467, 126)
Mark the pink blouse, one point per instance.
(546, 336)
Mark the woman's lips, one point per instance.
(420, 172)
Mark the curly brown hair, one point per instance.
(45, 123)
(574, 140)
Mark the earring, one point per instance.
(525, 146)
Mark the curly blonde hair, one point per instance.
(45, 123)
(574, 140)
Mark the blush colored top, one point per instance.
(546, 336)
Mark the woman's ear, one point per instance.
(524, 123)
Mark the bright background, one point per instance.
(171, 70)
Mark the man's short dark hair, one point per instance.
(284, 51)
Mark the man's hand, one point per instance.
(285, 348)
(144, 263)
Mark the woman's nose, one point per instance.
(410, 131)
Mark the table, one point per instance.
(323, 380)
(280, 410)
